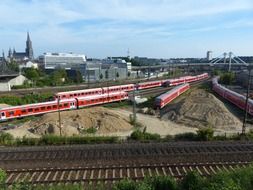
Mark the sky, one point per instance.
(150, 28)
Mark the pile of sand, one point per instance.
(78, 121)
(200, 109)
(4, 106)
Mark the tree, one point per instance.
(106, 74)
(101, 76)
(78, 77)
(13, 66)
(227, 78)
(59, 77)
(31, 74)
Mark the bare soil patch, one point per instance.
(200, 108)
(76, 122)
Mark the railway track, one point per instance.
(159, 90)
(21, 92)
(125, 150)
(111, 174)
(92, 164)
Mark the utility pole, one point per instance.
(246, 105)
(59, 116)
(134, 105)
(230, 61)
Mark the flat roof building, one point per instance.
(65, 61)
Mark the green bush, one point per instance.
(162, 183)
(6, 139)
(91, 130)
(227, 78)
(3, 176)
(192, 181)
(139, 135)
(205, 134)
(62, 140)
(185, 137)
(125, 184)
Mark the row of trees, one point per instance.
(58, 77)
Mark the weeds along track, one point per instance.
(111, 174)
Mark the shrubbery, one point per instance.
(139, 135)
(27, 99)
(240, 179)
(7, 139)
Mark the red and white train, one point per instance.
(185, 79)
(167, 97)
(66, 104)
(87, 97)
(129, 87)
(234, 97)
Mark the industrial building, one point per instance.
(65, 61)
(91, 70)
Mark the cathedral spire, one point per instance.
(29, 49)
(28, 37)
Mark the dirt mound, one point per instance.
(80, 121)
(200, 109)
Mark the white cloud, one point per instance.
(118, 20)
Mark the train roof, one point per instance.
(79, 91)
(124, 85)
(171, 91)
(37, 104)
(102, 95)
(150, 82)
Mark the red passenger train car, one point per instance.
(52, 106)
(234, 97)
(167, 97)
(150, 84)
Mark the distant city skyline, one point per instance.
(150, 28)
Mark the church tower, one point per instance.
(29, 49)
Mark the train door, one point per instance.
(73, 104)
(3, 116)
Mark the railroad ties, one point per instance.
(107, 164)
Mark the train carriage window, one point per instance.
(30, 110)
(36, 109)
(11, 113)
(64, 96)
(49, 107)
(66, 104)
(3, 114)
(43, 108)
(82, 93)
(23, 111)
(54, 106)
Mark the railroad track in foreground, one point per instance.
(125, 150)
(111, 174)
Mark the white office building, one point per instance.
(66, 61)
